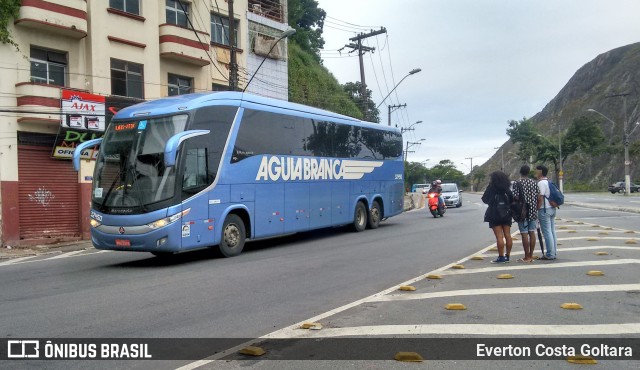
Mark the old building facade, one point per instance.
(78, 61)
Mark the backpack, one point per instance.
(502, 207)
(555, 198)
(519, 207)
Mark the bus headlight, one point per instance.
(168, 220)
(94, 223)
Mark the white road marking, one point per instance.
(600, 237)
(15, 260)
(572, 249)
(511, 290)
(65, 255)
(530, 266)
(464, 329)
(30, 259)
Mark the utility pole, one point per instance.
(361, 50)
(394, 107)
(233, 63)
(625, 142)
(471, 172)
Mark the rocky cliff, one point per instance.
(614, 72)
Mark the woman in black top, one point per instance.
(499, 191)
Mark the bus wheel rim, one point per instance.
(360, 218)
(375, 215)
(231, 235)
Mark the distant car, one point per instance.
(619, 187)
(451, 195)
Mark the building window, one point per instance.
(179, 85)
(177, 13)
(218, 87)
(220, 30)
(48, 67)
(127, 79)
(129, 6)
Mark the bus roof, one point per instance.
(187, 102)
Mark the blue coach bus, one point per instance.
(217, 169)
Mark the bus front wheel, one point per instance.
(233, 236)
(360, 218)
(375, 214)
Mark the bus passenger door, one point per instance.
(320, 205)
(270, 215)
(296, 214)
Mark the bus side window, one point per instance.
(195, 170)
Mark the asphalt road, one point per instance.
(278, 283)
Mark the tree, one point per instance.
(446, 171)
(365, 104)
(308, 20)
(9, 9)
(584, 135)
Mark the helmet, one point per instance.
(438, 182)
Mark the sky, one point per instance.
(483, 62)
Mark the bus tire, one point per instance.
(359, 218)
(233, 236)
(375, 214)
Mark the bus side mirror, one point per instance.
(78, 152)
(171, 148)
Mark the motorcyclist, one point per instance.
(436, 187)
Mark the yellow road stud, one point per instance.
(629, 232)
(563, 228)
(603, 233)
(458, 267)
(593, 239)
(609, 228)
(586, 360)
(311, 325)
(602, 253)
(408, 357)
(572, 231)
(493, 249)
(252, 351)
(505, 276)
(595, 273)
(407, 288)
(477, 258)
(434, 276)
(595, 225)
(631, 242)
(455, 306)
(571, 306)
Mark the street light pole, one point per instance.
(285, 34)
(413, 71)
(561, 173)
(502, 155)
(625, 142)
(409, 145)
(403, 130)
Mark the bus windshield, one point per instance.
(130, 171)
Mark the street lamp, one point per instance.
(413, 71)
(402, 130)
(285, 34)
(625, 141)
(409, 145)
(502, 155)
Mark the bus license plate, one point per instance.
(123, 243)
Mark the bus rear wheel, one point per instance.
(360, 218)
(233, 236)
(375, 214)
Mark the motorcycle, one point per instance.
(434, 208)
